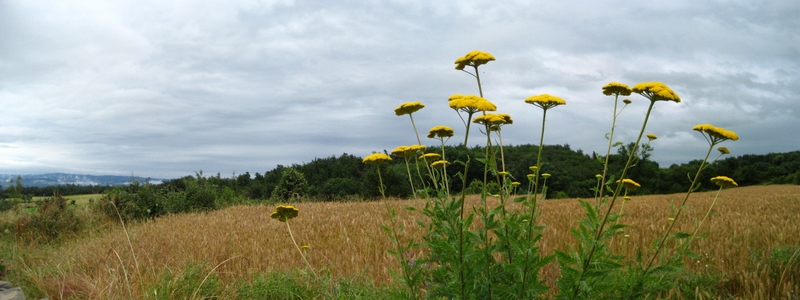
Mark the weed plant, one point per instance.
(493, 252)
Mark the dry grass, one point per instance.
(346, 239)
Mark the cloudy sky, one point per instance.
(167, 88)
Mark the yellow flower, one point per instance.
(440, 164)
(305, 247)
(503, 173)
(627, 101)
(415, 148)
(723, 150)
(630, 184)
(546, 175)
(408, 108)
(429, 157)
(493, 119)
(376, 158)
(724, 181)
(652, 136)
(545, 101)
(474, 58)
(671, 219)
(598, 176)
(656, 91)
(717, 134)
(284, 212)
(400, 151)
(515, 183)
(470, 103)
(530, 176)
(533, 168)
(440, 132)
(626, 198)
(627, 235)
(616, 88)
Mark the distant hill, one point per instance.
(55, 179)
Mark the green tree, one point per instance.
(293, 184)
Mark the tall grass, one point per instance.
(346, 241)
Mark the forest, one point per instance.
(573, 175)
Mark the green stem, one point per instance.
(680, 209)
(608, 151)
(410, 180)
(705, 217)
(444, 172)
(600, 228)
(380, 179)
(415, 129)
(536, 174)
(298, 249)
(419, 173)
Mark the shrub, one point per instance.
(53, 219)
(293, 184)
(8, 204)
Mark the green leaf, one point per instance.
(681, 235)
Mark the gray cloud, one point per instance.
(164, 89)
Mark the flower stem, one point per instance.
(298, 249)
(680, 209)
(608, 151)
(600, 228)
(705, 217)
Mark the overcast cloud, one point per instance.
(167, 88)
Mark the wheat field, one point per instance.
(345, 239)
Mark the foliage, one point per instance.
(8, 204)
(3, 269)
(193, 281)
(54, 219)
(293, 185)
(301, 285)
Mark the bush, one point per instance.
(8, 204)
(293, 184)
(52, 220)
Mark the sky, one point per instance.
(165, 89)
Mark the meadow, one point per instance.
(236, 245)
(507, 242)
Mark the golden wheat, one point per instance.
(346, 239)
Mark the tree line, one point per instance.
(345, 177)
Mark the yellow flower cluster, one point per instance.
(652, 136)
(429, 157)
(284, 212)
(724, 181)
(656, 91)
(723, 150)
(408, 108)
(629, 184)
(470, 103)
(474, 58)
(545, 101)
(440, 132)
(717, 133)
(616, 88)
(407, 150)
(440, 164)
(493, 119)
(400, 150)
(376, 158)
